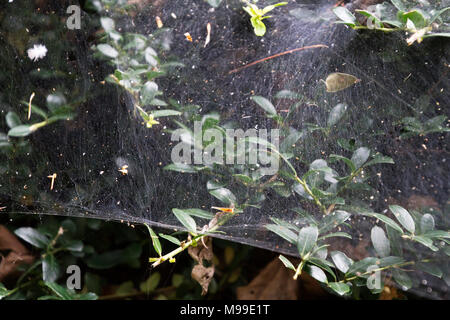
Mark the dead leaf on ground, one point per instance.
(203, 254)
(275, 282)
(17, 253)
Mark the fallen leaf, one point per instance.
(203, 254)
(339, 81)
(18, 253)
(275, 282)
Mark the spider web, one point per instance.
(397, 81)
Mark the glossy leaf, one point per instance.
(307, 238)
(402, 278)
(50, 268)
(380, 241)
(265, 104)
(186, 220)
(155, 241)
(283, 232)
(341, 261)
(33, 236)
(339, 288)
(385, 219)
(360, 156)
(345, 15)
(317, 273)
(336, 114)
(403, 216)
(426, 223)
(170, 238)
(224, 195)
(286, 262)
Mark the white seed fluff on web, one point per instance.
(37, 52)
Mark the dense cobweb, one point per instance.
(396, 81)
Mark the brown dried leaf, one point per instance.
(203, 254)
(274, 282)
(18, 253)
(339, 81)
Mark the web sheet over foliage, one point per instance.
(366, 162)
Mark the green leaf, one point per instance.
(60, 291)
(345, 15)
(149, 91)
(151, 283)
(33, 237)
(129, 255)
(165, 113)
(399, 5)
(258, 26)
(170, 238)
(155, 240)
(323, 264)
(373, 20)
(426, 242)
(316, 273)
(107, 24)
(186, 220)
(384, 219)
(380, 159)
(214, 3)
(361, 266)
(380, 242)
(283, 223)
(360, 156)
(339, 288)
(199, 213)
(336, 234)
(150, 56)
(307, 238)
(287, 94)
(437, 14)
(395, 239)
(224, 195)
(390, 261)
(107, 50)
(333, 220)
(283, 232)
(299, 189)
(347, 161)
(273, 6)
(417, 17)
(336, 114)
(74, 245)
(438, 234)
(180, 167)
(426, 223)
(20, 131)
(402, 278)
(403, 216)
(50, 268)
(286, 262)
(341, 261)
(430, 268)
(125, 288)
(3, 291)
(12, 119)
(265, 104)
(55, 101)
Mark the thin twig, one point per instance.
(277, 55)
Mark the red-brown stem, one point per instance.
(277, 55)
